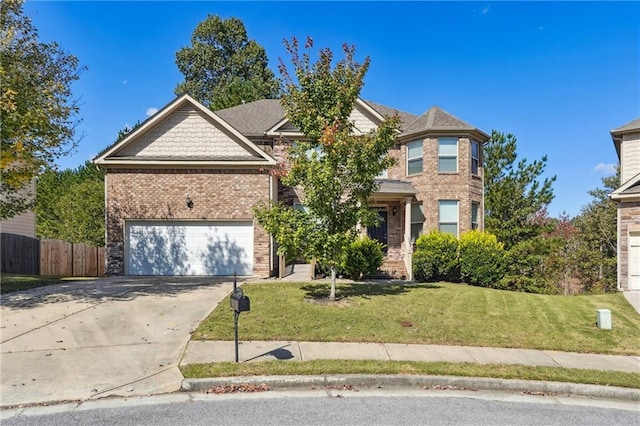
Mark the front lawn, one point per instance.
(442, 314)
(16, 282)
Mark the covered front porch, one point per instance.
(393, 202)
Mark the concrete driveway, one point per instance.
(113, 336)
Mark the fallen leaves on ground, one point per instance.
(343, 387)
(244, 387)
(447, 387)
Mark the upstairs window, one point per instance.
(475, 208)
(414, 157)
(475, 157)
(447, 155)
(448, 216)
(417, 220)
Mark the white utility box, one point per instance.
(603, 319)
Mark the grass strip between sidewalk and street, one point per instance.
(434, 313)
(331, 367)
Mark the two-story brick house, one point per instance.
(627, 142)
(180, 188)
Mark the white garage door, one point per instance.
(188, 248)
(634, 262)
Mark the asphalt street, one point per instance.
(337, 407)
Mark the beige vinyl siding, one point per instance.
(630, 155)
(24, 224)
(185, 133)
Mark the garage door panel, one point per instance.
(201, 248)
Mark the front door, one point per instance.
(380, 232)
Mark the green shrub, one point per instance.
(363, 257)
(482, 259)
(436, 257)
(527, 267)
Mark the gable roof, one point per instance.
(216, 143)
(268, 117)
(364, 113)
(631, 189)
(260, 119)
(629, 127)
(616, 134)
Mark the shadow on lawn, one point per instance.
(365, 290)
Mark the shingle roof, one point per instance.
(254, 118)
(395, 187)
(437, 119)
(632, 191)
(405, 117)
(633, 125)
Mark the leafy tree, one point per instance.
(597, 235)
(38, 114)
(513, 191)
(70, 205)
(222, 67)
(82, 213)
(331, 165)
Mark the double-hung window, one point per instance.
(448, 216)
(414, 157)
(475, 157)
(475, 208)
(447, 155)
(417, 220)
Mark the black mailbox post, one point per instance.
(239, 303)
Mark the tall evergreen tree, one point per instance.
(513, 191)
(222, 67)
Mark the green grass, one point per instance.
(442, 313)
(15, 282)
(328, 367)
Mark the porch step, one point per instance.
(392, 268)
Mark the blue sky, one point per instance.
(558, 75)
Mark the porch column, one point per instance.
(408, 247)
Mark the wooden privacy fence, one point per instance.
(26, 255)
(20, 254)
(71, 260)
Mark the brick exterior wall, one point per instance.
(629, 217)
(433, 186)
(161, 194)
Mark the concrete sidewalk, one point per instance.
(250, 351)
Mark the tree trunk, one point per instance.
(332, 295)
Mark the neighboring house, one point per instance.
(180, 188)
(22, 224)
(627, 142)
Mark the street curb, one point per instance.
(374, 381)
